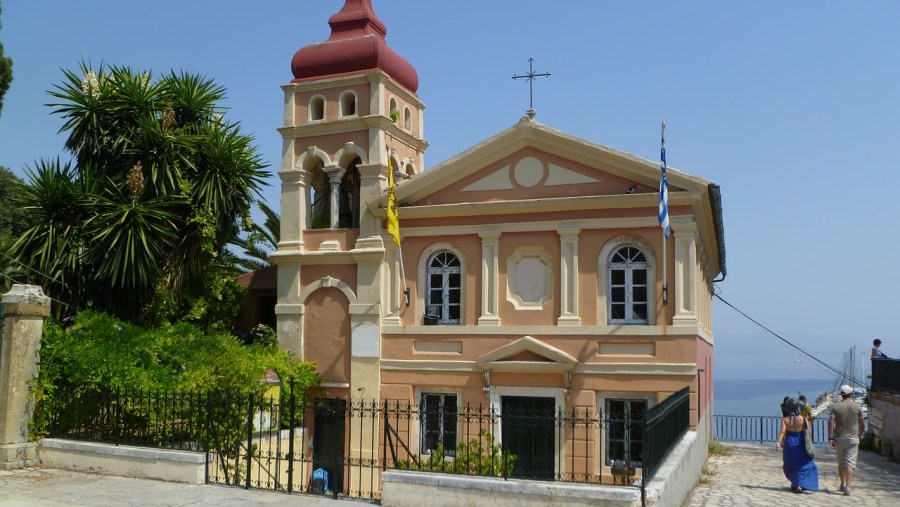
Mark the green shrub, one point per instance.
(479, 456)
(97, 352)
(868, 442)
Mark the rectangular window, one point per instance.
(438, 418)
(625, 432)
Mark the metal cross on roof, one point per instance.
(530, 77)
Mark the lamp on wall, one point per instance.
(486, 375)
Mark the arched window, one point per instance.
(348, 104)
(407, 118)
(348, 199)
(392, 106)
(317, 108)
(627, 286)
(443, 289)
(320, 202)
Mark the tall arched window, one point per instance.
(443, 289)
(407, 119)
(348, 198)
(319, 198)
(627, 286)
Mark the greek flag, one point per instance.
(663, 187)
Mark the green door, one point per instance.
(529, 428)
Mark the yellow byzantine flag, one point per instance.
(393, 215)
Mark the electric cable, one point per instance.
(773, 333)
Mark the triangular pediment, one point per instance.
(530, 161)
(527, 354)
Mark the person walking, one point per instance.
(845, 429)
(799, 468)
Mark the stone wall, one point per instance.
(884, 422)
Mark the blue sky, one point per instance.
(791, 107)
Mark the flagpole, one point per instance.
(664, 212)
(394, 224)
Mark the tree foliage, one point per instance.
(6, 74)
(14, 220)
(159, 184)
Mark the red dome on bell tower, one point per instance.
(357, 43)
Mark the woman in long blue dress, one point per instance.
(799, 468)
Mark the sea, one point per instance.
(760, 396)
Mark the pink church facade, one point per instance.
(531, 267)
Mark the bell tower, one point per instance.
(351, 96)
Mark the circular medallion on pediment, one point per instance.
(528, 172)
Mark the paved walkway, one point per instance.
(49, 487)
(752, 476)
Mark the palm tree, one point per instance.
(256, 248)
(158, 184)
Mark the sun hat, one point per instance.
(845, 390)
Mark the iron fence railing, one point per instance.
(160, 419)
(302, 443)
(664, 426)
(886, 375)
(760, 428)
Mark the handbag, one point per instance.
(807, 441)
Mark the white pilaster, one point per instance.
(490, 279)
(685, 276)
(568, 277)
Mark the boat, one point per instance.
(849, 368)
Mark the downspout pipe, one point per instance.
(715, 199)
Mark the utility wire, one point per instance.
(29, 268)
(776, 335)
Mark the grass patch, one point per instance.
(718, 449)
(706, 475)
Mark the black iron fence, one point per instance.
(665, 424)
(160, 419)
(886, 375)
(303, 443)
(759, 428)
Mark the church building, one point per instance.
(532, 272)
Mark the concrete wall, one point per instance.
(674, 480)
(884, 421)
(681, 470)
(410, 489)
(126, 461)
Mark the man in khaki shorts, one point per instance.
(845, 429)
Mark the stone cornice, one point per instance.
(547, 205)
(663, 369)
(592, 332)
(367, 255)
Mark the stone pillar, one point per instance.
(24, 307)
(335, 174)
(365, 388)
